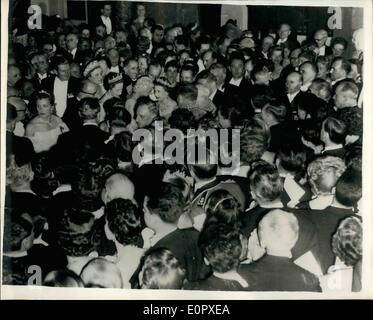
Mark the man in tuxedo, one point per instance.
(40, 63)
(71, 116)
(320, 37)
(308, 70)
(61, 85)
(207, 79)
(294, 96)
(89, 139)
(284, 39)
(238, 85)
(73, 53)
(220, 72)
(106, 19)
(339, 71)
(20, 147)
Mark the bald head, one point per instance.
(14, 74)
(293, 82)
(88, 89)
(278, 231)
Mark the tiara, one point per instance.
(221, 201)
(90, 67)
(116, 79)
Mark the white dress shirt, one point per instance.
(291, 96)
(73, 52)
(60, 93)
(322, 51)
(107, 22)
(235, 82)
(115, 69)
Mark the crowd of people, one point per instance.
(78, 206)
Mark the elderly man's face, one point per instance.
(284, 31)
(307, 73)
(320, 38)
(71, 41)
(336, 72)
(208, 59)
(14, 74)
(267, 43)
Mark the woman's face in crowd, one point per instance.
(44, 107)
(338, 50)
(96, 76)
(117, 90)
(113, 56)
(159, 92)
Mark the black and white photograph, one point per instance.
(201, 148)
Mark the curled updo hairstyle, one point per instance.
(108, 80)
(222, 206)
(276, 109)
(347, 241)
(162, 82)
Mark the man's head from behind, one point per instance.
(163, 206)
(123, 222)
(100, 273)
(265, 183)
(278, 232)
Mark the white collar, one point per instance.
(62, 188)
(293, 94)
(42, 76)
(90, 124)
(212, 95)
(200, 184)
(305, 86)
(274, 205)
(16, 254)
(73, 51)
(333, 147)
(65, 82)
(236, 82)
(340, 79)
(232, 275)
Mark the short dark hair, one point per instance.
(189, 67)
(336, 129)
(171, 64)
(292, 158)
(339, 40)
(265, 181)
(123, 146)
(221, 245)
(88, 108)
(167, 202)
(182, 119)
(161, 270)
(124, 222)
(58, 60)
(11, 113)
(348, 189)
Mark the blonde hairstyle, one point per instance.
(18, 175)
(324, 172)
(118, 186)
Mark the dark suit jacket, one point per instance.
(273, 273)
(290, 43)
(37, 82)
(243, 91)
(307, 240)
(71, 115)
(219, 99)
(340, 153)
(299, 100)
(21, 147)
